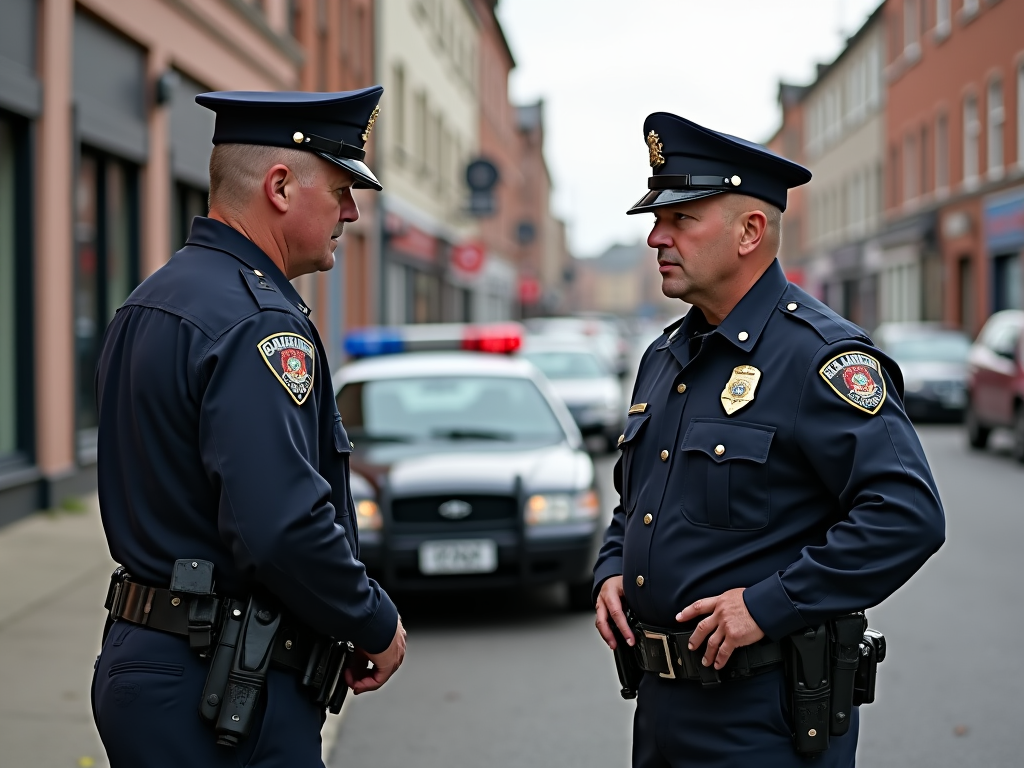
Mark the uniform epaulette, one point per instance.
(831, 326)
(264, 292)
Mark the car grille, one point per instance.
(424, 509)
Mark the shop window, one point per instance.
(106, 270)
(1007, 286)
(16, 348)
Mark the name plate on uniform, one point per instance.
(458, 556)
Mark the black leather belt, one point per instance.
(665, 652)
(294, 646)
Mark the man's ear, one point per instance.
(277, 186)
(755, 225)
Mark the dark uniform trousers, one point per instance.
(146, 693)
(740, 724)
(771, 453)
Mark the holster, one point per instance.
(629, 671)
(845, 636)
(808, 673)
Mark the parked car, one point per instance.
(934, 364)
(592, 392)
(605, 335)
(467, 469)
(995, 384)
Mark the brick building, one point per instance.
(955, 155)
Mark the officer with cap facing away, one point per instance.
(241, 610)
(771, 486)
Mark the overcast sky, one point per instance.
(602, 66)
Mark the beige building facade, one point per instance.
(100, 173)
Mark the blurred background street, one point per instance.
(487, 312)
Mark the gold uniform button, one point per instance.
(257, 273)
(664, 455)
(791, 306)
(681, 388)
(639, 581)
(743, 336)
(621, 438)
(648, 518)
(719, 449)
(736, 181)
(297, 137)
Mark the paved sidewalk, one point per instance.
(54, 571)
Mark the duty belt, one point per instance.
(665, 651)
(295, 647)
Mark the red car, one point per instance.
(995, 383)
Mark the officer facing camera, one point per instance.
(241, 611)
(771, 485)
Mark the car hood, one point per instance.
(473, 466)
(934, 371)
(576, 392)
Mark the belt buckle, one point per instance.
(671, 674)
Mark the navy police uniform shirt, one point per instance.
(771, 453)
(220, 439)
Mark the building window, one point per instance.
(1020, 115)
(922, 163)
(942, 18)
(16, 348)
(970, 9)
(972, 131)
(106, 270)
(910, 170)
(399, 109)
(996, 120)
(186, 203)
(941, 153)
(911, 30)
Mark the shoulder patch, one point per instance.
(857, 378)
(291, 358)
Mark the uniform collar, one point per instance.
(218, 236)
(747, 319)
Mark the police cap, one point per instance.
(335, 126)
(691, 162)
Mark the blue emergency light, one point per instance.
(501, 338)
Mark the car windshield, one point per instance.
(567, 365)
(932, 348)
(448, 408)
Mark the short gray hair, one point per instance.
(237, 171)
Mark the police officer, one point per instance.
(769, 478)
(220, 442)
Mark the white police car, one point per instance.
(467, 470)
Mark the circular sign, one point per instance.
(468, 257)
(481, 175)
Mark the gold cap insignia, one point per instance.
(739, 392)
(369, 125)
(655, 145)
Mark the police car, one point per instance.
(467, 470)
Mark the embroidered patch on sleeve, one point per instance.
(291, 358)
(857, 378)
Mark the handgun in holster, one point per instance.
(626, 664)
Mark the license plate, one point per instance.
(461, 556)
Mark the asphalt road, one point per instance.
(508, 680)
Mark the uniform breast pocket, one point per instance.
(726, 483)
(628, 444)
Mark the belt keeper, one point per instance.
(202, 614)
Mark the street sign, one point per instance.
(468, 257)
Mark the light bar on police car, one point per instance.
(501, 338)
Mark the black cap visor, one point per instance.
(659, 198)
(364, 178)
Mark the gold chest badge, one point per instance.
(739, 392)
(655, 146)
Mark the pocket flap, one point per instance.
(725, 440)
(341, 441)
(633, 425)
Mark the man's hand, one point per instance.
(361, 678)
(609, 606)
(731, 622)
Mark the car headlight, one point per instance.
(368, 516)
(548, 508)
